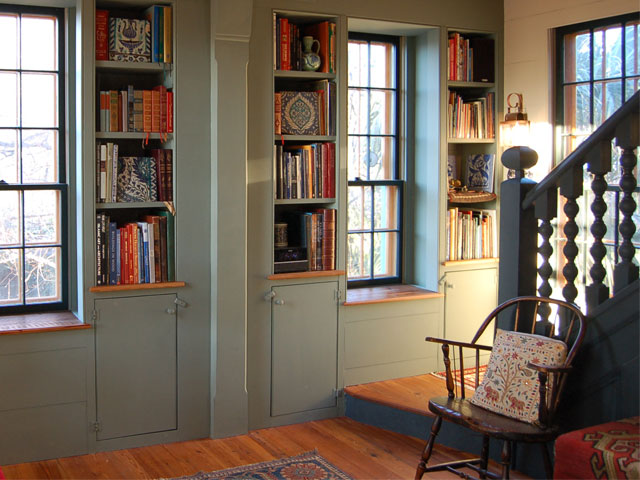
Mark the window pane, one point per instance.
(358, 147)
(607, 52)
(382, 113)
(607, 98)
(39, 42)
(39, 156)
(358, 63)
(385, 261)
(631, 85)
(9, 156)
(9, 40)
(577, 51)
(41, 216)
(10, 282)
(10, 227)
(577, 111)
(386, 207)
(9, 99)
(382, 65)
(381, 165)
(358, 111)
(359, 209)
(632, 44)
(42, 275)
(359, 245)
(39, 100)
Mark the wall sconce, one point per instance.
(514, 131)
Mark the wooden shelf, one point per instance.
(133, 136)
(460, 84)
(471, 140)
(136, 286)
(304, 138)
(130, 205)
(387, 293)
(303, 201)
(132, 67)
(301, 75)
(474, 261)
(317, 273)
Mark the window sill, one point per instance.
(40, 322)
(388, 293)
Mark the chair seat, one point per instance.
(463, 412)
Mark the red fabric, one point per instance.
(1, 475)
(610, 450)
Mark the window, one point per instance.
(598, 69)
(33, 189)
(375, 186)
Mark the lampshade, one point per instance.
(514, 131)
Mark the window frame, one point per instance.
(61, 184)
(398, 182)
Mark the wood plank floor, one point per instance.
(362, 451)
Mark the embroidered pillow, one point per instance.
(509, 387)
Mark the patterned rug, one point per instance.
(469, 376)
(307, 466)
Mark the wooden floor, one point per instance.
(362, 451)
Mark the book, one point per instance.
(285, 63)
(102, 34)
(137, 179)
(156, 108)
(157, 251)
(138, 111)
(129, 40)
(277, 128)
(300, 113)
(168, 34)
(147, 111)
(169, 111)
(324, 32)
(479, 172)
(169, 219)
(152, 14)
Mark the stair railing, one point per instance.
(528, 209)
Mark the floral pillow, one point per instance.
(509, 387)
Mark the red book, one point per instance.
(155, 110)
(277, 129)
(102, 35)
(285, 60)
(124, 254)
(146, 111)
(331, 167)
(162, 90)
(169, 111)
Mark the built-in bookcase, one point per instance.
(305, 153)
(135, 147)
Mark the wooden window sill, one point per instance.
(40, 322)
(388, 293)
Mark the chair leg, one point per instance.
(548, 470)
(426, 454)
(484, 457)
(506, 458)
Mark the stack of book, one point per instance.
(287, 43)
(308, 111)
(305, 171)
(145, 39)
(133, 179)
(471, 234)
(134, 252)
(319, 238)
(471, 118)
(130, 110)
(470, 59)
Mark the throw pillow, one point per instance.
(509, 387)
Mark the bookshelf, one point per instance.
(305, 157)
(134, 206)
(471, 132)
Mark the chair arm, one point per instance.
(547, 405)
(548, 368)
(458, 344)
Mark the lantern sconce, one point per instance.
(514, 131)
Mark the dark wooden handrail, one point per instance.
(606, 131)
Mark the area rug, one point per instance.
(306, 466)
(469, 376)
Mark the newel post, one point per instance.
(518, 229)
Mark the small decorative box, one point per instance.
(129, 40)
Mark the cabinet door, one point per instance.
(304, 347)
(470, 296)
(136, 358)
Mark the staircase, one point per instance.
(604, 384)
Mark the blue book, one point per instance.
(152, 14)
(480, 172)
(113, 253)
(144, 228)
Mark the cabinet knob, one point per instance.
(171, 311)
(269, 295)
(279, 302)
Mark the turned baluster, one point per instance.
(545, 210)
(599, 164)
(571, 189)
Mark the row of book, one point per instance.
(305, 171)
(133, 179)
(470, 59)
(131, 110)
(471, 118)
(134, 252)
(308, 111)
(287, 43)
(470, 234)
(319, 238)
(145, 39)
